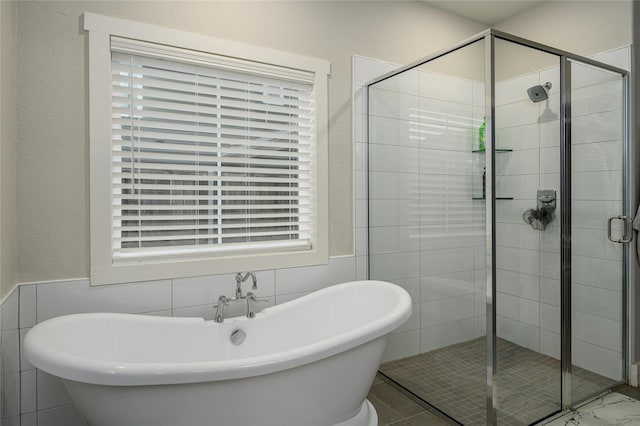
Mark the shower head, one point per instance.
(539, 93)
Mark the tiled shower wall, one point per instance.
(521, 252)
(31, 397)
(528, 260)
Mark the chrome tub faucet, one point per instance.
(251, 298)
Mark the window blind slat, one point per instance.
(294, 221)
(202, 168)
(140, 159)
(169, 197)
(212, 127)
(197, 123)
(135, 134)
(225, 146)
(131, 88)
(217, 188)
(178, 221)
(124, 116)
(256, 211)
(186, 105)
(179, 178)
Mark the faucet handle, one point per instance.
(255, 298)
(251, 302)
(222, 301)
(219, 307)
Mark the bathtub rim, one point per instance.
(70, 366)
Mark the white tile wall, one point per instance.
(402, 345)
(518, 284)
(598, 359)
(67, 297)
(445, 334)
(550, 343)
(620, 57)
(519, 137)
(443, 87)
(391, 267)
(10, 381)
(445, 286)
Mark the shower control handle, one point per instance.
(627, 227)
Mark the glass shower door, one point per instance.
(528, 377)
(598, 232)
(427, 221)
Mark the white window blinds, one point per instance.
(209, 154)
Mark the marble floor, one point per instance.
(611, 409)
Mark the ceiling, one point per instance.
(487, 12)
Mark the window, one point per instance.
(202, 160)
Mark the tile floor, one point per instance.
(519, 367)
(454, 380)
(394, 408)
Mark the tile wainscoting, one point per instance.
(31, 397)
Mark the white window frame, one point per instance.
(103, 269)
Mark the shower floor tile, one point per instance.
(453, 379)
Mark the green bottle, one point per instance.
(481, 132)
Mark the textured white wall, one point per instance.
(53, 216)
(7, 146)
(582, 27)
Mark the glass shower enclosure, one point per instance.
(497, 185)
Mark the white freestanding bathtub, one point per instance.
(307, 362)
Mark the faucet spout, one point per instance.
(240, 278)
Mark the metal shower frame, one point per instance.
(489, 36)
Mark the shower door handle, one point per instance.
(627, 227)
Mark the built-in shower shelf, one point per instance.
(497, 198)
(497, 150)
